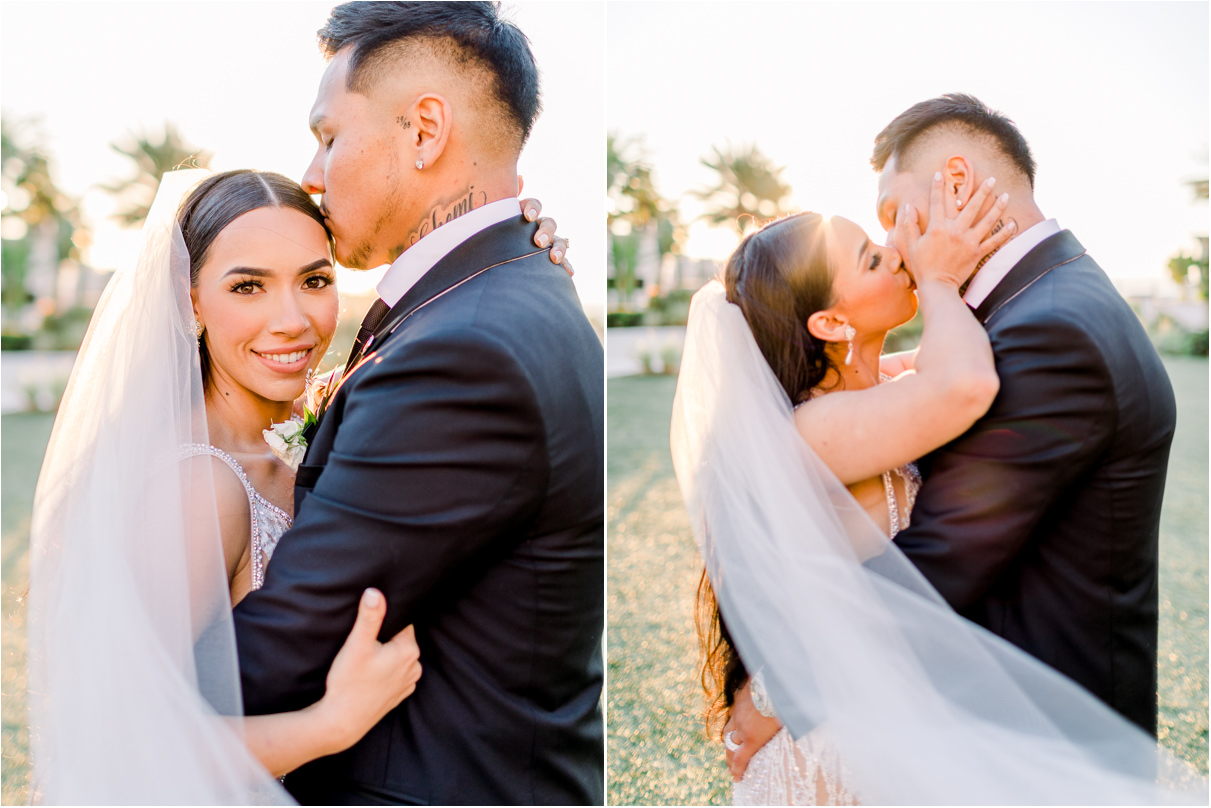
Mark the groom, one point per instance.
(459, 466)
(1041, 522)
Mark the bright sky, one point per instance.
(239, 78)
(1113, 98)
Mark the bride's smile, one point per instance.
(266, 298)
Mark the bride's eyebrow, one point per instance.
(257, 272)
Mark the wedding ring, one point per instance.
(730, 742)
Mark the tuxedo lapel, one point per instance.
(502, 242)
(1050, 253)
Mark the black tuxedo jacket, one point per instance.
(1041, 522)
(460, 470)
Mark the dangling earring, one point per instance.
(198, 328)
(420, 164)
(850, 333)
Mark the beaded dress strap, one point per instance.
(257, 550)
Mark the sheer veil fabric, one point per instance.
(923, 706)
(134, 684)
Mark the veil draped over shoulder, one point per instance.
(923, 706)
(133, 682)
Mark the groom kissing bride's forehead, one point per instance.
(458, 467)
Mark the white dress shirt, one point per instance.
(418, 259)
(1005, 259)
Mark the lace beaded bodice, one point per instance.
(269, 521)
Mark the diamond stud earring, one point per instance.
(420, 164)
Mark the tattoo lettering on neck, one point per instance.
(447, 211)
(1000, 224)
(403, 122)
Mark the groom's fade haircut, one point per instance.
(470, 39)
(949, 113)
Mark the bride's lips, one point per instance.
(912, 282)
(286, 360)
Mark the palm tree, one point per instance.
(636, 209)
(47, 220)
(750, 188)
(152, 158)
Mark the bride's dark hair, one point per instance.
(778, 276)
(219, 200)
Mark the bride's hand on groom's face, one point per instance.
(957, 236)
(752, 731)
(546, 235)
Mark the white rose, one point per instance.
(287, 443)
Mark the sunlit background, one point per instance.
(1113, 98)
(784, 100)
(237, 81)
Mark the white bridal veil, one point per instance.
(133, 683)
(923, 706)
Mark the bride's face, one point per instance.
(267, 299)
(870, 285)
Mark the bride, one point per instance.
(159, 504)
(793, 442)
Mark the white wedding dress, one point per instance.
(134, 688)
(899, 700)
(810, 771)
(269, 521)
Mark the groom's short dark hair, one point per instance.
(953, 109)
(479, 37)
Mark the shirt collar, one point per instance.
(422, 256)
(1005, 259)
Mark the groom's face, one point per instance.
(357, 170)
(896, 188)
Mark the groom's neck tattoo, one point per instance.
(445, 212)
(403, 122)
(1000, 223)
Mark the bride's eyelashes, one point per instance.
(246, 287)
(320, 280)
(875, 260)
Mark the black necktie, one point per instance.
(372, 320)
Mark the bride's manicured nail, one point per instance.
(991, 181)
(542, 240)
(1005, 197)
(557, 255)
(531, 213)
(937, 175)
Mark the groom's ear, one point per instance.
(434, 118)
(958, 174)
(825, 325)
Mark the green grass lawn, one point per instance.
(657, 750)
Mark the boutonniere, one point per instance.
(287, 441)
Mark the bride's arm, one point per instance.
(860, 434)
(367, 680)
